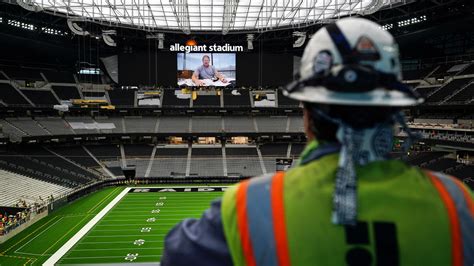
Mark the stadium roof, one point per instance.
(210, 15)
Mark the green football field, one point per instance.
(132, 230)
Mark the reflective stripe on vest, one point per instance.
(264, 241)
(460, 208)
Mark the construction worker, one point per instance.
(345, 203)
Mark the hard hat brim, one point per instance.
(377, 97)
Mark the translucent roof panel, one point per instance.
(212, 15)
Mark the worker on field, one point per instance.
(345, 203)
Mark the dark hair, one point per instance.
(205, 57)
(357, 117)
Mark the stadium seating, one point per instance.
(240, 98)
(170, 100)
(55, 125)
(55, 76)
(467, 71)
(66, 92)
(207, 101)
(119, 97)
(171, 124)
(14, 186)
(22, 73)
(139, 156)
(89, 78)
(441, 71)
(206, 162)
(42, 171)
(169, 162)
(284, 101)
(465, 95)
(41, 97)
(447, 89)
(271, 152)
(243, 161)
(465, 173)
(137, 150)
(76, 154)
(79, 124)
(11, 131)
(425, 91)
(296, 149)
(239, 124)
(420, 158)
(144, 124)
(43, 155)
(206, 124)
(28, 125)
(272, 124)
(11, 96)
(103, 152)
(296, 124)
(441, 164)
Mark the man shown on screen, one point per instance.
(206, 71)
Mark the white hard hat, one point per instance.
(352, 62)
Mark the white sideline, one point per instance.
(73, 241)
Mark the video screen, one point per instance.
(206, 69)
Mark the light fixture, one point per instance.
(250, 38)
(301, 38)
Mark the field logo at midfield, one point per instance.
(179, 189)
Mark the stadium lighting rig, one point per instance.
(106, 35)
(158, 36)
(411, 21)
(76, 29)
(301, 38)
(250, 38)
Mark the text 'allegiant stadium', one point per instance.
(206, 48)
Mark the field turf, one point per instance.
(132, 231)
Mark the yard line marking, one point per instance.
(117, 242)
(104, 199)
(109, 249)
(70, 230)
(83, 231)
(141, 211)
(16, 251)
(33, 254)
(118, 230)
(124, 230)
(130, 220)
(115, 225)
(28, 235)
(142, 235)
(109, 257)
(146, 215)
